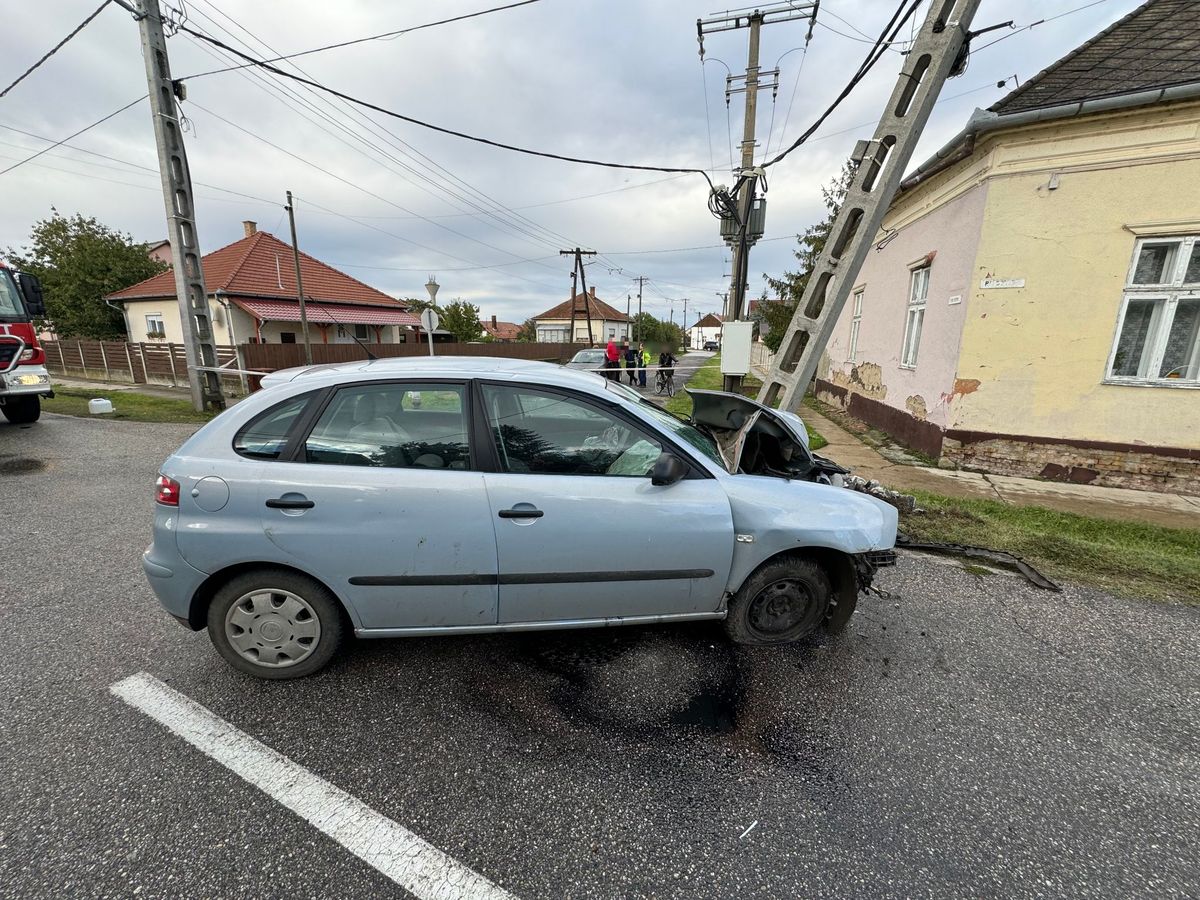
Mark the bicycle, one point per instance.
(664, 382)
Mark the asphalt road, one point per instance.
(968, 736)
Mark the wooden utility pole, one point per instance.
(300, 285)
(579, 254)
(199, 344)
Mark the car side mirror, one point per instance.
(31, 288)
(668, 469)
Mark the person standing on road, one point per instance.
(611, 357)
(643, 364)
(631, 362)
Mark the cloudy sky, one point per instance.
(391, 203)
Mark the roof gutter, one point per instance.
(962, 145)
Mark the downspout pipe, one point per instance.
(962, 145)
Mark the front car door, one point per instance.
(581, 532)
(381, 500)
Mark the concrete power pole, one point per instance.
(195, 316)
(641, 280)
(300, 285)
(880, 164)
(579, 254)
(747, 177)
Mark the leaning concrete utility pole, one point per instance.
(747, 176)
(935, 55)
(300, 283)
(579, 254)
(195, 317)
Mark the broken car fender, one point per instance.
(785, 515)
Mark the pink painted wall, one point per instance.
(951, 232)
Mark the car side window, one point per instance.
(265, 436)
(547, 433)
(400, 426)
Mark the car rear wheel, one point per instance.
(22, 410)
(783, 601)
(275, 624)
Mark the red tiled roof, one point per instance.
(712, 320)
(261, 266)
(502, 331)
(600, 310)
(325, 313)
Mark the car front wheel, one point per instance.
(22, 410)
(275, 624)
(783, 601)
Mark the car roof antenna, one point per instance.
(371, 356)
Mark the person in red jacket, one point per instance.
(612, 356)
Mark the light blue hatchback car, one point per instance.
(459, 495)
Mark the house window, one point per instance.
(552, 335)
(287, 337)
(918, 291)
(360, 332)
(1158, 338)
(155, 329)
(855, 324)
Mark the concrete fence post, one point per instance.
(129, 362)
(104, 361)
(171, 358)
(145, 368)
(82, 361)
(62, 359)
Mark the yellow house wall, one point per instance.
(137, 310)
(1033, 359)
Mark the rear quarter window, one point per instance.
(265, 436)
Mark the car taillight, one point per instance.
(166, 491)
(27, 354)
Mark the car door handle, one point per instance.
(280, 503)
(521, 513)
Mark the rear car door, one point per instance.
(581, 532)
(381, 500)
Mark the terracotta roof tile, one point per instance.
(502, 331)
(712, 320)
(1155, 46)
(261, 266)
(600, 310)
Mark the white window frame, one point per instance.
(855, 323)
(918, 280)
(159, 333)
(1168, 295)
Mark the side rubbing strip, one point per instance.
(528, 578)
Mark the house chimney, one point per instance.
(251, 228)
(592, 292)
(493, 323)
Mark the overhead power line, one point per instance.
(438, 128)
(75, 135)
(387, 35)
(49, 53)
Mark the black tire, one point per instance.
(22, 410)
(660, 384)
(275, 584)
(784, 600)
(670, 387)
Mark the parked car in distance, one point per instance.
(711, 345)
(423, 496)
(587, 359)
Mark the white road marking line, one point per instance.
(409, 860)
(748, 830)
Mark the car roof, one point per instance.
(439, 367)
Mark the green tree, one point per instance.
(416, 307)
(528, 332)
(79, 261)
(790, 286)
(461, 319)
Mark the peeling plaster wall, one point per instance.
(924, 225)
(1034, 358)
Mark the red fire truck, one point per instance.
(23, 376)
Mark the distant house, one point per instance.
(252, 298)
(160, 251)
(1033, 306)
(707, 328)
(554, 325)
(501, 332)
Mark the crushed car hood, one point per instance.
(757, 440)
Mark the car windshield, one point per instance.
(588, 356)
(674, 425)
(10, 299)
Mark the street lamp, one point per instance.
(429, 318)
